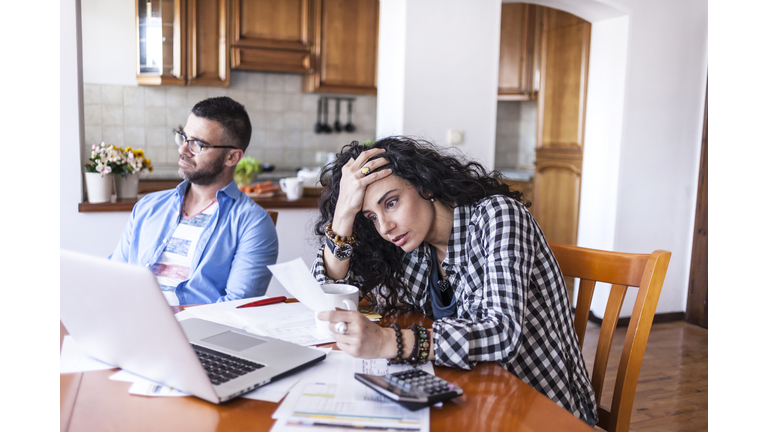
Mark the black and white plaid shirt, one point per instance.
(513, 307)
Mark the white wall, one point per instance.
(602, 150)
(451, 71)
(661, 137)
(391, 68)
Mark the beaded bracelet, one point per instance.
(399, 339)
(337, 239)
(420, 353)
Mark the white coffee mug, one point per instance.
(293, 187)
(340, 296)
(311, 176)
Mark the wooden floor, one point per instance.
(672, 389)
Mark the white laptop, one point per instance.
(117, 313)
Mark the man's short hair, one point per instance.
(230, 115)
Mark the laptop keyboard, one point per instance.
(221, 367)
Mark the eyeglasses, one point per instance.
(195, 146)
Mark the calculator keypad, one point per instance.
(415, 380)
(413, 389)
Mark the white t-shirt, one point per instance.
(176, 260)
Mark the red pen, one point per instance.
(264, 302)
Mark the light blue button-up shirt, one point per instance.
(231, 258)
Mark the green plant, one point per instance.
(246, 169)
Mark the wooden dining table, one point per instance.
(493, 400)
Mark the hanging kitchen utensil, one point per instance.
(349, 127)
(319, 125)
(337, 124)
(326, 127)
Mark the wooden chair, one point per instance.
(273, 215)
(621, 270)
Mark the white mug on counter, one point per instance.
(311, 176)
(340, 296)
(293, 187)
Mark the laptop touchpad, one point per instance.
(234, 341)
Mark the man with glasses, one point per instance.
(205, 241)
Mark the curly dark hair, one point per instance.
(435, 174)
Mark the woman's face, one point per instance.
(397, 211)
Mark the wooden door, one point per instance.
(346, 52)
(563, 93)
(207, 54)
(557, 188)
(560, 125)
(519, 50)
(697, 311)
(272, 35)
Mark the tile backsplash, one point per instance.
(516, 135)
(283, 118)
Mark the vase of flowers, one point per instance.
(127, 173)
(98, 172)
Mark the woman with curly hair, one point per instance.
(417, 228)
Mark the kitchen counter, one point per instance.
(172, 174)
(148, 185)
(519, 175)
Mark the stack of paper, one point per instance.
(291, 322)
(336, 401)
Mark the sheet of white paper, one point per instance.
(73, 360)
(220, 312)
(351, 389)
(275, 391)
(313, 403)
(296, 278)
(329, 369)
(291, 322)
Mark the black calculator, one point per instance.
(413, 389)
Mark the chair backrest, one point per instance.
(273, 215)
(622, 270)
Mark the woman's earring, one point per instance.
(432, 199)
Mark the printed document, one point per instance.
(315, 403)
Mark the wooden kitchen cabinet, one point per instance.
(561, 112)
(272, 35)
(345, 55)
(182, 42)
(519, 51)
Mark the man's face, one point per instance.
(207, 167)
